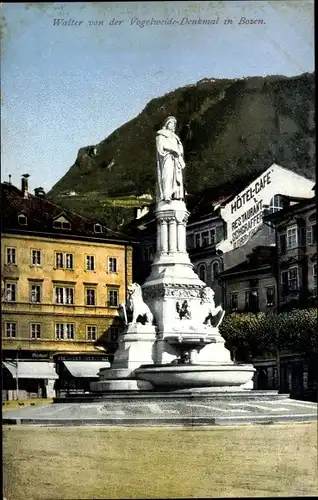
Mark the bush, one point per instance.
(249, 335)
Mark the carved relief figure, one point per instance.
(135, 304)
(183, 310)
(170, 162)
(208, 309)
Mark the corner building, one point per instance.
(62, 279)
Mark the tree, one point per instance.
(250, 335)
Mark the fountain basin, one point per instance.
(223, 376)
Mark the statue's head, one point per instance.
(134, 289)
(170, 123)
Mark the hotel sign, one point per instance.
(257, 187)
(245, 224)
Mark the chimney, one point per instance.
(39, 192)
(10, 179)
(25, 185)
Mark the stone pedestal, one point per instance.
(172, 278)
(135, 349)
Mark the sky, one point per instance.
(66, 87)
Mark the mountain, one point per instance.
(229, 129)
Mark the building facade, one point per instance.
(296, 253)
(251, 285)
(63, 277)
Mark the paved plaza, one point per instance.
(165, 412)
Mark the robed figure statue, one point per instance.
(170, 163)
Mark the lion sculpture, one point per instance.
(140, 311)
(208, 309)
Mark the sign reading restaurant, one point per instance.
(244, 214)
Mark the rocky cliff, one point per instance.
(229, 128)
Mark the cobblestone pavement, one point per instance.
(165, 412)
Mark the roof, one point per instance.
(261, 257)
(302, 204)
(41, 213)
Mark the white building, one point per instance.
(243, 215)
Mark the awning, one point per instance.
(85, 369)
(32, 369)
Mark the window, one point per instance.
(314, 271)
(22, 220)
(215, 270)
(275, 204)
(61, 223)
(69, 261)
(11, 256)
(64, 331)
(270, 296)
(90, 296)
(234, 301)
(205, 238)
(282, 243)
(202, 272)
(198, 240)
(64, 260)
(10, 292)
(212, 237)
(90, 262)
(35, 293)
(251, 301)
(293, 280)
(91, 332)
(292, 237)
(113, 298)
(114, 331)
(98, 228)
(112, 264)
(312, 235)
(64, 295)
(36, 257)
(35, 330)
(11, 330)
(59, 260)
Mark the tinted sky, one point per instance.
(65, 87)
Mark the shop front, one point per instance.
(76, 372)
(27, 375)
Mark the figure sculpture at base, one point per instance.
(136, 306)
(208, 309)
(170, 163)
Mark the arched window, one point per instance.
(215, 269)
(202, 272)
(275, 204)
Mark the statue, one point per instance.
(183, 310)
(207, 307)
(170, 162)
(140, 311)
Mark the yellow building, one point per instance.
(63, 277)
